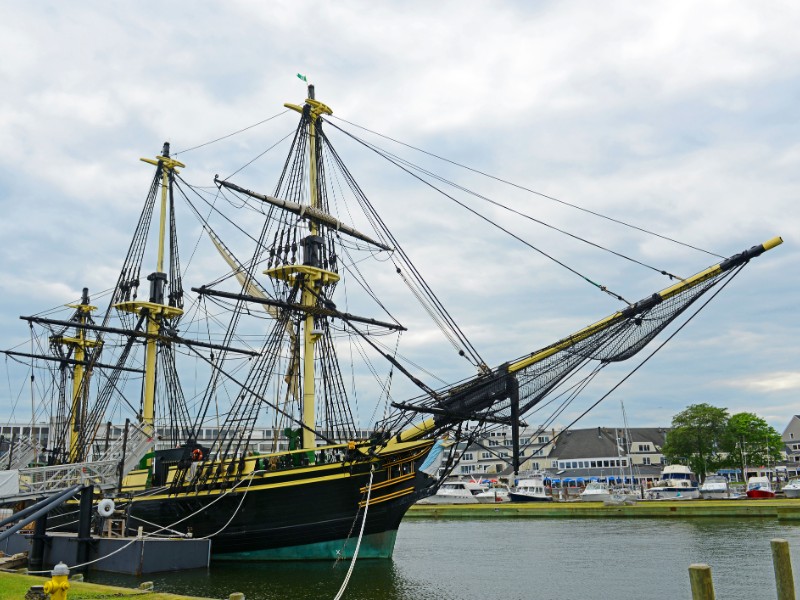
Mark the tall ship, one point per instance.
(273, 333)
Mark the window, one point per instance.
(468, 456)
(535, 466)
(543, 439)
(486, 455)
(524, 441)
(644, 447)
(645, 460)
(467, 468)
(493, 443)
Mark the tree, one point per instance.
(696, 438)
(749, 440)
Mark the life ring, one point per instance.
(105, 508)
(197, 454)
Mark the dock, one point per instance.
(781, 509)
(131, 555)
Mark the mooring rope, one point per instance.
(360, 536)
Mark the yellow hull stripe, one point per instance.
(388, 482)
(387, 497)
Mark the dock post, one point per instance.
(36, 557)
(701, 582)
(782, 563)
(84, 529)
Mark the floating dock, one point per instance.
(131, 555)
(781, 509)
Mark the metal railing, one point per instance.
(103, 474)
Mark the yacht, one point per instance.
(456, 492)
(496, 493)
(596, 491)
(530, 490)
(759, 487)
(677, 483)
(715, 487)
(792, 489)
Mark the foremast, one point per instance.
(154, 310)
(310, 275)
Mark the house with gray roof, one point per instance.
(608, 454)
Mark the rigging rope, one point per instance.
(386, 156)
(360, 537)
(224, 137)
(523, 188)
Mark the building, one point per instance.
(608, 454)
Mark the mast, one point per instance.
(80, 376)
(155, 310)
(311, 276)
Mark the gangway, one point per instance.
(22, 452)
(105, 474)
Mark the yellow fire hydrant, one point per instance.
(57, 587)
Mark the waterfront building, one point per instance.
(608, 454)
(491, 453)
(791, 439)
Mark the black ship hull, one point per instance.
(313, 512)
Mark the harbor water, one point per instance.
(542, 559)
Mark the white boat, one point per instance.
(760, 487)
(621, 496)
(715, 487)
(792, 489)
(596, 491)
(530, 490)
(456, 492)
(677, 483)
(496, 493)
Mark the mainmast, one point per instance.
(154, 310)
(310, 275)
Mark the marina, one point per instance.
(779, 509)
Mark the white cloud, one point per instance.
(770, 382)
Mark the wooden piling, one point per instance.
(700, 580)
(782, 563)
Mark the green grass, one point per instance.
(13, 586)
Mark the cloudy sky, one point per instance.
(678, 117)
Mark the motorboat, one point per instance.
(792, 489)
(621, 496)
(530, 490)
(496, 493)
(456, 492)
(759, 487)
(715, 487)
(596, 491)
(677, 482)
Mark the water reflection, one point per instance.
(371, 580)
(565, 559)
